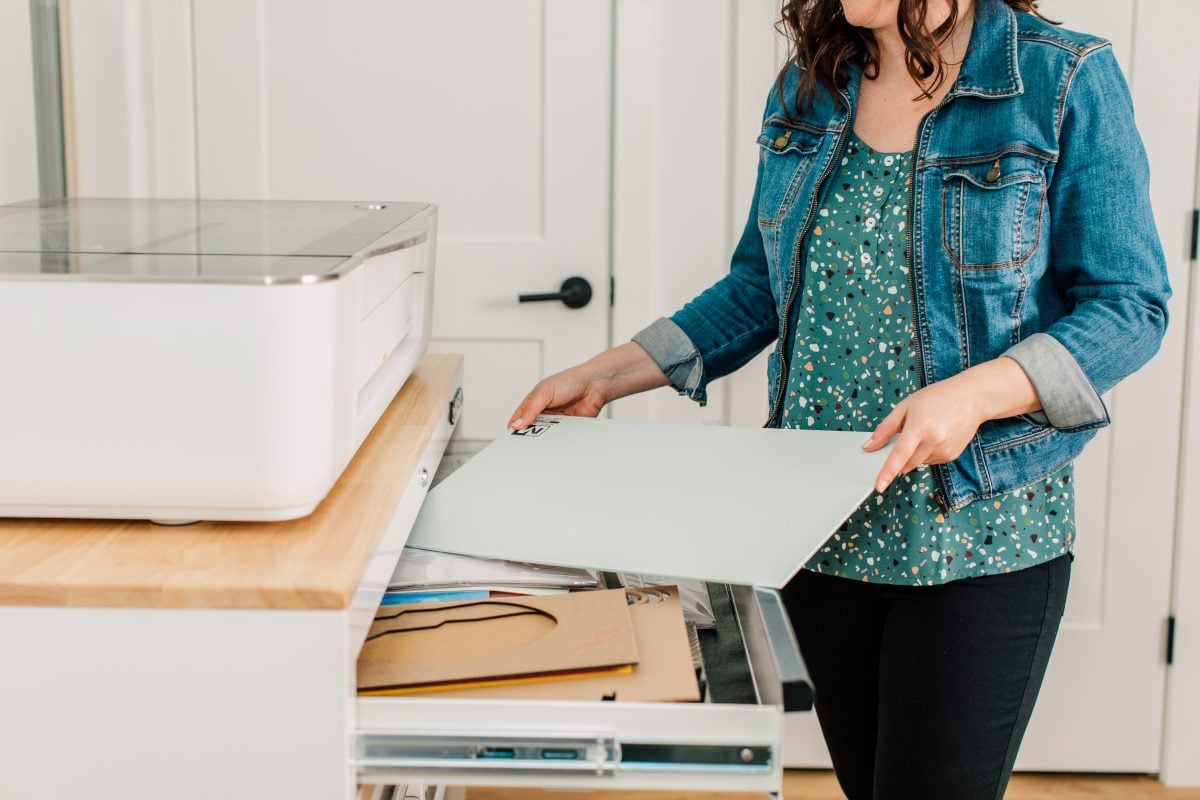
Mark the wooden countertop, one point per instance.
(314, 562)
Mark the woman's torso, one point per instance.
(853, 359)
(979, 241)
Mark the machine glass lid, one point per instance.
(178, 239)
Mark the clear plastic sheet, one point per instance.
(693, 595)
(425, 569)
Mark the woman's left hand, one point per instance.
(935, 424)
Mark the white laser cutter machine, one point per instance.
(200, 359)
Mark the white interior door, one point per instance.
(1101, 707)
(497, 112)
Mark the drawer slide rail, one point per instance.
(546, 754)
(595, 754)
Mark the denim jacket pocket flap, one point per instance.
(779, 137)
(988, 175)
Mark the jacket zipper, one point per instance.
(922, 379)
(785, 346)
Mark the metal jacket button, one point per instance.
(993, 174)
(781, 141)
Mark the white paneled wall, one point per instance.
(128, 79)
(18, 136)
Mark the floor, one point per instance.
(818, 785)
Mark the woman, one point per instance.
(951, 245)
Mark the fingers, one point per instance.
(920, 457)
(889, 427)
(534, 403)
(902, 451)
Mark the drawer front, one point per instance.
(725, 746)
(580, 745)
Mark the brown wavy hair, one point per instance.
(822, 42)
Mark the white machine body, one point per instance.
(211, 360)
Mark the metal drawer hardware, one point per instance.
(546, 753)
(423, 477)
(686, 757)
(596, 754)
(780, 677)
(455, 406)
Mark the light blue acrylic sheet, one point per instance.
(730, 505)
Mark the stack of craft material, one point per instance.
(423, 576)
(620, 644)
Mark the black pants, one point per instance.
(924, 692)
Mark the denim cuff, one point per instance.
(1069, 401)
(675, 355)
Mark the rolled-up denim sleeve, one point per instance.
(675, 355)
(1067, 396)
(1105, 254)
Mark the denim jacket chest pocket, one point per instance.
(992, 208)
(787, 154)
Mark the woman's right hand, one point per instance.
(583, 391)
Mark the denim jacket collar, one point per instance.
(990, 69)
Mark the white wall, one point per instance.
(18, 139)
(128, 88)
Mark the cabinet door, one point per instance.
(497, 112)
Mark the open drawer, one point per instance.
(731, 742)
(609, 495)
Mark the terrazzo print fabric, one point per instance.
(854, 361)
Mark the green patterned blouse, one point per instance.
(854, 361)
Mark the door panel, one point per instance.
(367, 99)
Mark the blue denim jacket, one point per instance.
(1030, 236)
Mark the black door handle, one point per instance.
(576, 292)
